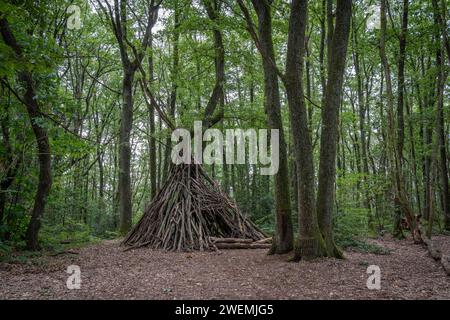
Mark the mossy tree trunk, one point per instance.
(284, 231)
(330, 121)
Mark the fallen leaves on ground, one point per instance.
(107, 272)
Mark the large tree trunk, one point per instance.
(45, 175)
(283, 241)
(440, 128)
(310, 243)
(125, 204)
(330, 120)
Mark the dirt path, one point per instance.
(108, 273)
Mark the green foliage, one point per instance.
(5, 251)
(351, 222)
(110, 234)
(71, 234)
(351, 228)
(266, 223)
(362, 245)
(78, 78)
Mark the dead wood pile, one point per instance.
(189, 209)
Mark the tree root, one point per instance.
(436, 254)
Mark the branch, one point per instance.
(251, 29)
(217, 94)
(150, 99)
(14, 92)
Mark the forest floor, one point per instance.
(407, 272)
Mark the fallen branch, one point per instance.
(230, 240)
(243, 245)
(266, 240)
(63, 252)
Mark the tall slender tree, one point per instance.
(120, 24)
(263, 38)
(398, 181)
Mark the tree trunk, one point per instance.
(330, 120)
(323, 34)
(330, 33)
(362, 125)
(40, 133)
(283, 241)
(125, 204)
(440, 126)
(118, 18)
(401, 198)
(45, 175)
(400, 104)
(12, 164)
(401, 83)
(152, 129)
(173, 91)
(413, 152)
(310, 243)
(426, 139)
(441, 22)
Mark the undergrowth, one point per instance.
(54, 239)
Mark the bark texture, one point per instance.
(330, 121)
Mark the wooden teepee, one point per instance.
(188, 210)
